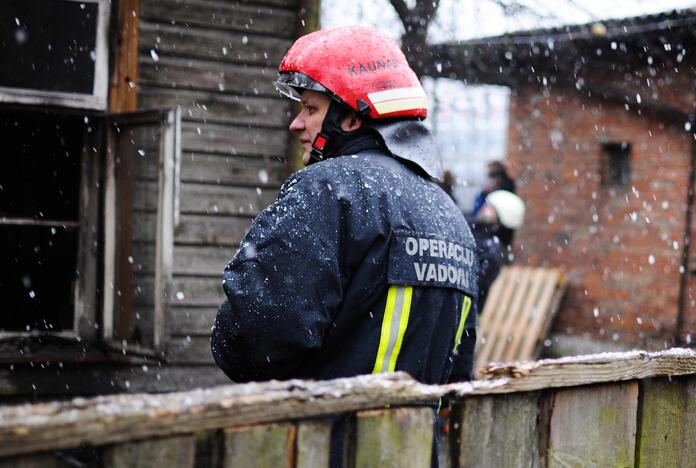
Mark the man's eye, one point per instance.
(311, 109)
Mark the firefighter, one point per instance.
(362, 264)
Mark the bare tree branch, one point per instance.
(417, 20)
(426, 8)
(401, 9)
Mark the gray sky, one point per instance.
(464, 19)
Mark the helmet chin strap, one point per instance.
(331, 137)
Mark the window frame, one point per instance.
(87, 258)
(93, 310)
(166, 218)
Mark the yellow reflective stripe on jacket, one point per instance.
(394, 324)
(466, 307)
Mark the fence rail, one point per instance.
(628, 409)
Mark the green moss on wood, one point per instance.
(667, 432)
(594, 426)
(258, 446)
(171, 452)
(394, 438)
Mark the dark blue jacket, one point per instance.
(491, 256)
(361, 265)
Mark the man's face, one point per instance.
(308, 122)
(487, 215)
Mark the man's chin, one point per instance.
(305, 158)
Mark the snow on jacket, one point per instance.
(361, 265)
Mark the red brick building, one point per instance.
(601, 140)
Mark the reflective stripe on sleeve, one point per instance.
(466, 307)
(394, 324)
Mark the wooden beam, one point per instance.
(124, 76)
(113, 419)
(578, 370)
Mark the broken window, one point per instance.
(40, 174)
(87, 216)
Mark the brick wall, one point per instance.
(621, 247)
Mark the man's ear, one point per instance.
(351, 123)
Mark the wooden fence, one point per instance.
(629, 409)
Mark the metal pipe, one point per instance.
(684, 269)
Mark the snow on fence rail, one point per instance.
(614, 409)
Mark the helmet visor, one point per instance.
(292, 84)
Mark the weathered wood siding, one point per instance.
(217, 60)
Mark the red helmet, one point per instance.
(358, 66)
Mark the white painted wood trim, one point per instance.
(164, 244)
(109, 237)
(177, 166)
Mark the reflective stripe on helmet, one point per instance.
(399, 99)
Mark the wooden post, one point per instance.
(496, 431)
(308, 20)
(122, 92)
(260, 446)
(394, 438)
(172, 452)
(123, 316)
(594, 426)
(123, 98)
(313, 444)
(667, 422)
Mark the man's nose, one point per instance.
(297, 124)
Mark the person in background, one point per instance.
(447, 183)
(501, 210)
(498, 179)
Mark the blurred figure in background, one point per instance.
(498, 179)
(502, 211)
(447, 183)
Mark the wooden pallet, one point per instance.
(518, 313)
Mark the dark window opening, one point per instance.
(48, 45)
(617, 167)
(39, 219)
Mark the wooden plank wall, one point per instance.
(217, 60)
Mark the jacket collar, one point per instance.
(412, 141)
